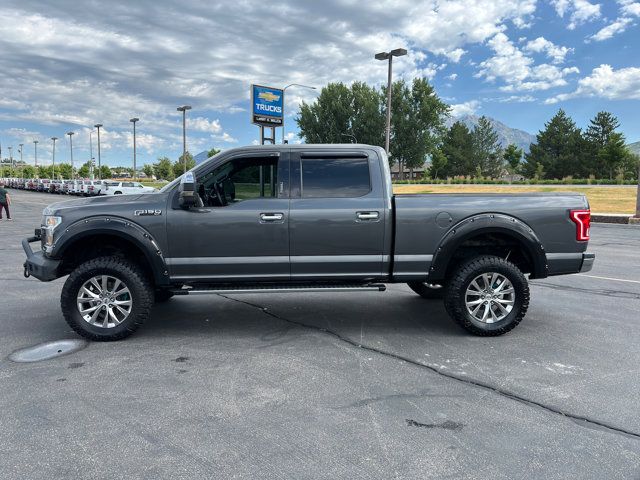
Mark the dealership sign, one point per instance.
(267, 106)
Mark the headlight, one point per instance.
(50, 224)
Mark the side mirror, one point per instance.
(188, 188)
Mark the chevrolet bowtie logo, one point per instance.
(268, 96)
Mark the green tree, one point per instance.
(83, 171)
(559, 148)
(64, 170)
(439, 164)
(148, 170)
(512, 156)
(28, 171)
(417, 123)
(212, 152)
(340, 112)
(457, 146)
(178, 166)
(487, 152)
(105, 172)
(606, 148)
(44, 172)
(164, 169)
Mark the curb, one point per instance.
(617, 218)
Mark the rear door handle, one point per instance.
(368, 215)
(271, 217)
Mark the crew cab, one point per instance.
(296, 218)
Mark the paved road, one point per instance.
(353, 385)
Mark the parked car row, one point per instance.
(82, 187)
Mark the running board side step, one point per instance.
(292, 288)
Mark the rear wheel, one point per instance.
(487, 296)
(106, 298)
(427, 290)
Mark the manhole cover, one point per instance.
(47, 350)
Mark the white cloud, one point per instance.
(453, 76)
(618, 26)
(553, 51)
(517, 99)
(581, 11)
(629, 7)
(201, 124)
(605, 82)
(466, 108)
(517, 70)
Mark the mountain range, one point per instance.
(506, 134)
(634, 147)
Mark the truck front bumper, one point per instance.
(37, 265)
(587, 262)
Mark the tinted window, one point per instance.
(127, 184)
(241, 179)
(335, 177)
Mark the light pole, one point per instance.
(398, 52)
(284, 90)
(97, 126)
(184, 109)
(35, 151)
(134, 120)
(21, 145)
(53, 156)
(91, 159)
(10, 155)
(71, 134)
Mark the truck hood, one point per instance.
(114, 200)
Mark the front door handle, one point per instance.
(271, 217)
(368, 215)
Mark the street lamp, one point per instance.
(10, 155)
(184, 109)
(97, 126)
(134, 120)
(283, 90)
(35, 151)
(71, 134)
(398, 52)
(91, 159)
(53, 156)
(21, 145)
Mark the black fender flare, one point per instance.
(119, 227)
(488, 223)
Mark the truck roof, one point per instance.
(308, 146)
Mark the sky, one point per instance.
(67, 65)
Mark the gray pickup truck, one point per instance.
(319, 218)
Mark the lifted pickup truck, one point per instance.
(304, 218)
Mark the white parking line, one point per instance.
(609, 278)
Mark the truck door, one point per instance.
(242, 231)
(337, 215)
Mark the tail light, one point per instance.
(582, 219)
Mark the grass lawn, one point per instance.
(602, 199)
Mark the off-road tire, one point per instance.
(461, 278)
(140, 286)
(427, 291)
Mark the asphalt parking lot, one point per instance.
(350, 385)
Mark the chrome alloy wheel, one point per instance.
(490, 297)
(104, 301)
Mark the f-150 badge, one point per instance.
(140, 213)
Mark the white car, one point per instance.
(125, 188)
(94, 188)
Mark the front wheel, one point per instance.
(106, 298)
(487, 296)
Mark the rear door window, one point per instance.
(335, 177)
